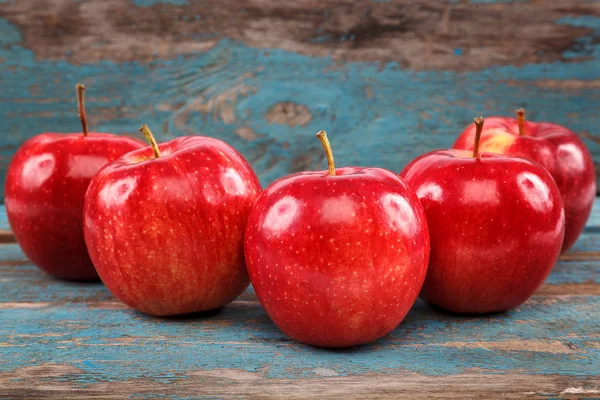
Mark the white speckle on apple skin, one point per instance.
(355, 273)
(184, 234)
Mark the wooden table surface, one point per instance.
(68, 340)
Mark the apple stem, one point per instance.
(478, 129)
(150, 138)
(322, 135)
(521, 120)
(81, 107)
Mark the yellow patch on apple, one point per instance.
(496, 141)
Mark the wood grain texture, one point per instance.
(389, 80)
(236, 384)
(68, 340)
(93, 345)
(421, 35)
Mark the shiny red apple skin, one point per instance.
(337, 261)
(496, 223)
(555, 147)
(166, 234)
(45, 187)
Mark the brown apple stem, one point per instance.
(521, 120)
(81, 107)
(150, 138)
(322, 135)
(478, 129)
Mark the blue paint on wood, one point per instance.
(586, 21)
(242, 337)
(22, 283)
(4, 225)
(593, 223)
(245, 339)
(587, 45)
(46, 321)
(10, 34)
(82, 325)
(590, 239)
(574, 272)
(376, 115)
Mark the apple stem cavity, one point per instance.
(322, 135)
(521, 120)
(81, 107)
(478, 129)
(150, 138)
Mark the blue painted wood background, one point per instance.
(388, 80)
(67, 340)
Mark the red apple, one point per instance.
(555, 147)
(337, 258)
(44, 191)
(164, 225)
(497, 225)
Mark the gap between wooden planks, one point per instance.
(7, 236)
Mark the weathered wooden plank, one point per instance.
(4, 225)
(79, 337)
(235, 384)
(22, 282)
(398, 77)
(542, 337)
(87, 344)
(91, 348)
(593, 223)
